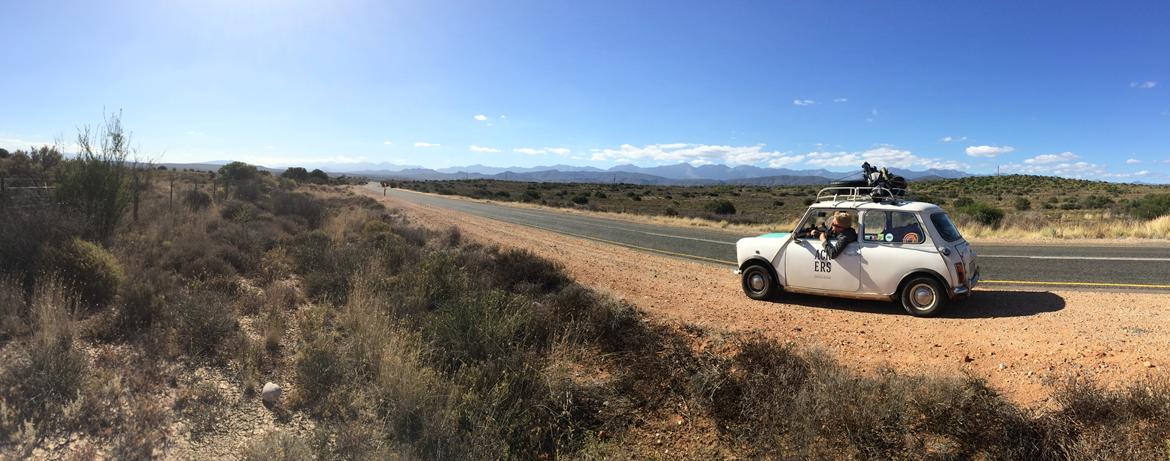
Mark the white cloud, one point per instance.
(561, 151)
(1078, 170)
(840, 99)
(503, 116)
(387, 142)
(883, 156)
(953, 138)
(425, 144)
(1132, 161)
(480, 117)
(695, 154)
(1142, 173)
(13, 144)
(270, 147)
(988, 151)
(803, 102)
(1046, 159)
(481, 149)
(1143, 85)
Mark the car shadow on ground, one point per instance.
(983, 304)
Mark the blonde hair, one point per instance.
(843, 219)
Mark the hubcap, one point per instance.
(756, 281)
(922, 296)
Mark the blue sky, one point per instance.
(1077, 89)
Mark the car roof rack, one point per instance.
(858, 193)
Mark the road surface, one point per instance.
(1141, 267)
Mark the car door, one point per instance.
(893, 244)
(806, 265)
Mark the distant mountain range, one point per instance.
(678, 174)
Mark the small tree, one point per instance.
(318, 177)
(296, 173)
(97, 184)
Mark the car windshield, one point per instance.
(946, 228)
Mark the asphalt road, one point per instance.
(1141, 267)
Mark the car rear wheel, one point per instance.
(758, 282)
(923, 297)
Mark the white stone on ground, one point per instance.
(270, 393)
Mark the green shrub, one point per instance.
(204, 320)
(47, 372)
(721, 207)
(196, 199)
(238, 172)
(983, 213)
(143, 303)
(530, 196)
(1022, 203)
(1151, 206)
(299, 204)
(92, 270)
(963, 202)
(278, 445)
(581, 199)
(96, 184)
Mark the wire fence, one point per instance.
(18, 193)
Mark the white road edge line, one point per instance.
(1092, 258)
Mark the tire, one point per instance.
(758, 282)
(923, 296)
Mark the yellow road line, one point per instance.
(1086, 284)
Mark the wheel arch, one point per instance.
(761, 261)
(942, 281)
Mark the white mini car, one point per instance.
(906, 251)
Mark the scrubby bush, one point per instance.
(298, 204)
(96, 184)
(1151, 206)
(92, 270)
(46, 373)
(196, 200)
(238, 172)
(1022, 203)
(983, 213)
(720, 207)
(581, 199)
(278, 445)
(963, 202)
(204, 320)
(296, 173)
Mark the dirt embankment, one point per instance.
(1018, 340)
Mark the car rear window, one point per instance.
(946, 228)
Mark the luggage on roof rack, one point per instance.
(878, 184)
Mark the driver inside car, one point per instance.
(840, 234)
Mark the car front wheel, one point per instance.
(758, 282)
(923, 297)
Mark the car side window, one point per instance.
(893, 227)
(821, 218)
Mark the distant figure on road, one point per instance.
(840, 235)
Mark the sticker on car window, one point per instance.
(910, 237)
(889, 237)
